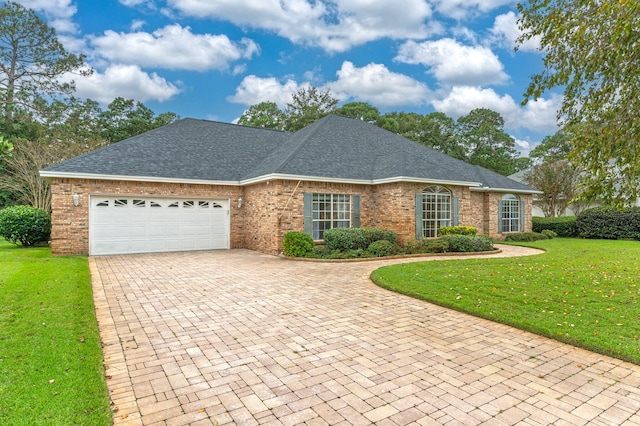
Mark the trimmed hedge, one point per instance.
(609, 223)
(525, 237)
(25, 225)
(345, 239)
(382, 248)
(468, 243)
(564, 226)
(297, 244)
(457, 230)
(425, 245)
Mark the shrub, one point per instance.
(344, 239)
(609, 223)
(523, 237)
(383, 248)
(468, 243)
(25, 225)
(425, 245)
(549, 233)
(564, 226)
(457, 230)
(297, 244)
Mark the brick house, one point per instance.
(196, 184)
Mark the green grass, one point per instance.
(582, 292)
(51, 369)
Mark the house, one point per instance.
(196, 184)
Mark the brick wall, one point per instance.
(270, 209)
(70, 224)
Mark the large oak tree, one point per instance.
(592, 52)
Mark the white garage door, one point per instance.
(124, 224)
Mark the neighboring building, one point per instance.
(197, 184)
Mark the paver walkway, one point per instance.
(239, 337)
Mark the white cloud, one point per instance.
(128, 81)
(253, 90)
(505, 32)
(173, 47)
(462, 9)
(539, 116)
(453, 63)
(374, 83)
(336, 25)
(58, 13)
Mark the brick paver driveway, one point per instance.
(238, 337)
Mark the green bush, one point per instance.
(382, 248)
(322, 252)
(564, 226)
(468, 243)
(549, 233)
(457, 230)
(25, 225)
(525, 237)
(344, 239)
(609, 223)
(297, 244)
(425, 245)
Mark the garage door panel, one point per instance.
(121, 224)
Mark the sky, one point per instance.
(212, 59)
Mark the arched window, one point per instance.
(436, 210)
(510, 214)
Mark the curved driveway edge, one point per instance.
(239, 337)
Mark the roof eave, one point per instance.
(506, 190)
(474, 186)
(157, 179)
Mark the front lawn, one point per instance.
(51, 369)
(582, 292)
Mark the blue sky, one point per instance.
(212, 59)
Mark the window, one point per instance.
(120, 203)
(327, 211)
(330, 211)
(510, 213)
(436, 210)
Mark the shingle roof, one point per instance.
(332, 148)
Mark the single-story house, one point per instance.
(197, 184)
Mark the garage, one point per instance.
(130, 224)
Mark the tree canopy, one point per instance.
(592, 52)
(307, 106)
(488, 145)
(264, 114)
(32, 60)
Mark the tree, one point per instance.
(32, 60)
(126, 118)
(308, 106)
(487, 144)
(264, 114)
(360, 110)
(440, 134)
(556, 147)
(558, 180)
(592, 51)
(21, 176)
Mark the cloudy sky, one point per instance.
(213, 58)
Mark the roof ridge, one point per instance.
(300, 143)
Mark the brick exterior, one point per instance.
(270, 209)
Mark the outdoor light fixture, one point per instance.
(76, 200)
(239, 202)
